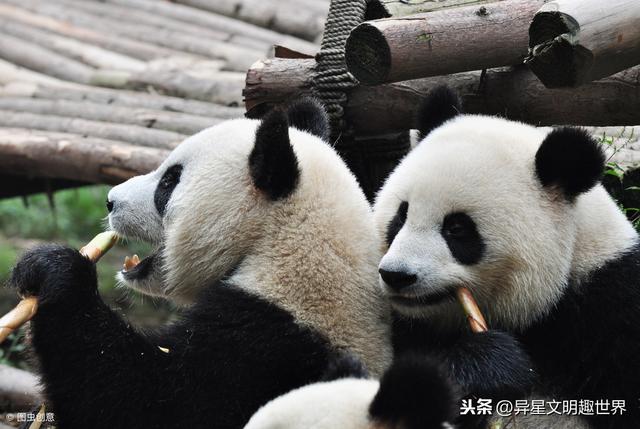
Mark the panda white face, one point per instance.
(208, 202)
(496, 206)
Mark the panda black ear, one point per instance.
(272, 163)
(570, 159)
(441, 104)
(308, 114)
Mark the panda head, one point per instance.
(213, 198)
(510, 211)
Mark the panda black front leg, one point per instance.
(96, 369)
(491, 365)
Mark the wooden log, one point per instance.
(397, 8)
(70, 156)
(121, 98)
(574, 42)
(70, 48)
(107, 40)
(237, 58)
(181, 123)
(159, 139)
(222, 87)
(19, 389)
(11, 73)
(136, 16)
(43, 60)
(441, 42)
(512, 92)
(218, 22)
(284, 16)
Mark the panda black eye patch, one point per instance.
(462, 237)
(397, 222)
(166, 185)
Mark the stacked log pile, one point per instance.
(559, 62)
(95, 91)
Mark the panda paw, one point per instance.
(492, 365)
(415, 393)
(54, 273)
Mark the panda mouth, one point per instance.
(135, 268)
(424, 300)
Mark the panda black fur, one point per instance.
(264, 231)
(414, 393)
(517, 215)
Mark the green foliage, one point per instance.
(614, 169)
(10, 350)
(76, 215)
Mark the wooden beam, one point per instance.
(182, 123)
(573, 42)
(160, 139)
(75, 157)
(441, 42)
(119, 98)
(512, 92)
(399, 8)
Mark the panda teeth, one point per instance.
(130, 263)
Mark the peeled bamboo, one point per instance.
(472, 311)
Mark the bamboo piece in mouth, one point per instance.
(471, 309)
(28, 306)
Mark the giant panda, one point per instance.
(414, 393)
(262, 231)
(517, 215)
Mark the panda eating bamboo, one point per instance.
(262, 230)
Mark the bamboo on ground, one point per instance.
(441, 42)
(573, 42)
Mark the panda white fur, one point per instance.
(261, 228)
(517, 215)
(414, 393)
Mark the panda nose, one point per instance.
(110, 205)
(397, 280)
